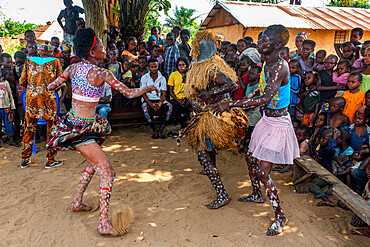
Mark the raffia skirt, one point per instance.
(273, 140)
(72, 131)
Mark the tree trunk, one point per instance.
(96, 17)
(132, 18)
(112, 16)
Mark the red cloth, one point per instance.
(240, 92)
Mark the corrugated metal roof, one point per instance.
(293, 16)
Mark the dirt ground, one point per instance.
(162, 184)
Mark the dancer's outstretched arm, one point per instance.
(123, 89)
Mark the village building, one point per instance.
(327, 26)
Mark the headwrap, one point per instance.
(153, 38)
(253, 54)
(45, 50)
(303, 35)
(66, 46)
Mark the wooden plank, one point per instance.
(301, 179)
(354, 201)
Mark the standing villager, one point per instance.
(273, 139)
(83, 130)
(208, 82)
(37, 74)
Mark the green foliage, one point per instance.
(155, 7)
(258, 1)
(364, 4)
(10, 28)
(183, 18)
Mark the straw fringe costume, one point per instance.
(207, 132)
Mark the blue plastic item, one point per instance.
(40, 121)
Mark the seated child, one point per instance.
(126, 73)
(343, 157)
(284, 54)
(244, 80)
(324, 156)
(320, 57)
(358, 169)
(139, 71)
(303, 134)
(142, 49)
(360, 62)
(355, 98)
(103, 108)
(336, 118)
(357, 221)
(321, 121)
(311, 98)
(305, 60)
(295, 85)
(359, 130)
(7, 107)
(342, 73)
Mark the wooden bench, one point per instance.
(129, 116)
(305, 167)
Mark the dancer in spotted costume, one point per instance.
(82, 129)
(273, 139)
(209, 81)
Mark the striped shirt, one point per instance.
(171, 54)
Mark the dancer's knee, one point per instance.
(263, 176)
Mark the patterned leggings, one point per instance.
(28, 138)
(167, 108)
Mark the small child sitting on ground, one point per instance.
(343, 157)
(324, 156)
(355, 98)
(342, 73)
(320, 58)
(114, 66)
(303, 134)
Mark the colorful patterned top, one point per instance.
(282, 97)
(37, 74)
(89, 93)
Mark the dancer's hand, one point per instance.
(153, 88)
(205, 95)
(220, 108)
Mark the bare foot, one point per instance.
(76, 207)
(252, 198)
(277, 226)
(219, 202)
(106, 228)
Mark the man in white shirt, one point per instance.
(154, 102)
(103, 107)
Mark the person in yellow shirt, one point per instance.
(176, 83)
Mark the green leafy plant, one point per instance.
(10, 28)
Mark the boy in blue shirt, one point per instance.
(295, 85)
